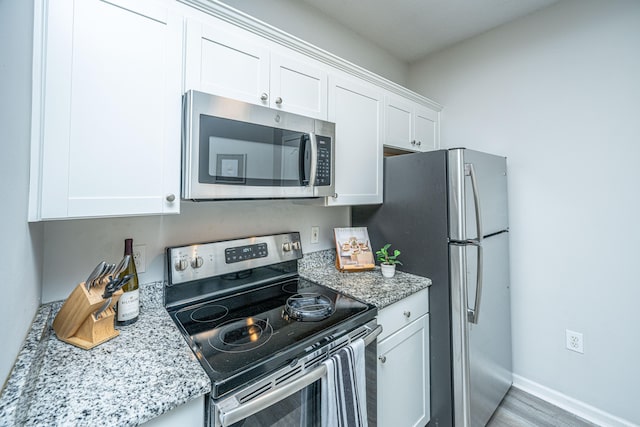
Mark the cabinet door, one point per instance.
(426, 128)
(403, 376)
(410, 126)
(357, 111)
(298, 87)
(398, 123)
(110, 142)
(226, 62)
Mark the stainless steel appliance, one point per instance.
(235, 150)
(260, 331)
(446, 211)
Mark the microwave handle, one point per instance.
(308, 177)
(231, 411)
(314, 159)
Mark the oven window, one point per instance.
(300, 409)
(239, 153)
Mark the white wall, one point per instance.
(73, 248)
(20, 247)
(311, 25)
(558, 93)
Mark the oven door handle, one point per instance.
(230, 411)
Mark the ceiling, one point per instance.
(411, 29)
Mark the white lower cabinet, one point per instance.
(403, 363)
(189, 414)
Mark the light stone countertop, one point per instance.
(368, 286)
(148, 369)
(144, 372)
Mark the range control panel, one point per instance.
(243, 253)
(323, 173)
(204, 260)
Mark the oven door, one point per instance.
(285, 407)
(294, 403)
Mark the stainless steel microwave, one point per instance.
(235, 150)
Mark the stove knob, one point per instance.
(286, 247)
(181, 265)
(295, 245)
(197, 262)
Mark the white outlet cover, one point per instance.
(574, 341)
(315, 234)
(140, 257)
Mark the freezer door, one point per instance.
(482, 350)
(477, 194)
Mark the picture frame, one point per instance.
(231, 168)
(353, 249)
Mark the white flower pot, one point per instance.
(388, 270)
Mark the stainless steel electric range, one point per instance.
(260, 331)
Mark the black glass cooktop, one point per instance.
(245, 335)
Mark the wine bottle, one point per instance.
(129, 302)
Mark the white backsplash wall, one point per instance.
(73, 248)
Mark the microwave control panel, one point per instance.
(323, 173)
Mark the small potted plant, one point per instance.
(387, 261)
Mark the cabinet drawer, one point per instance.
(403, 312)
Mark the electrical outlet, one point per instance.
(140, 257)
(574, 341)
(315, 234)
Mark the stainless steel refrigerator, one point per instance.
(446, 211)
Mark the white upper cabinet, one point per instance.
(232, 62)
(356, 108)
(226, 63)
(106, 110)
(409, 125)
(108, 79)
(298, 87)
(426, 128)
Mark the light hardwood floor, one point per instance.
(520, 409)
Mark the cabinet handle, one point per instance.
(335, 195)
(407, 314)
(382, 359)
(413, 142)
(264, 96)
(419, 143)
(278, 100)
(171, 198)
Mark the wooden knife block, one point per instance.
(75, 323)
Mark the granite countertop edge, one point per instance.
(367, 286)
(39, 390)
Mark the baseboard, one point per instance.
(570, 404)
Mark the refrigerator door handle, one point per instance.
(474, 313)
(470, 171)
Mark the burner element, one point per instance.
(291, 287)
(240, 335)
(209, 313)
(308, 307)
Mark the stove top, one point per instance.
(247, 318)
(241, 336)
